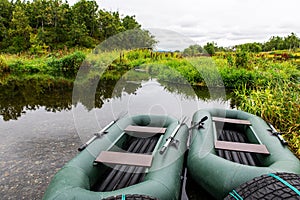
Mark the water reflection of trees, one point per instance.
(19, 96)
(106, 89)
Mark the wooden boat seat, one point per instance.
(234, 146)
(233, 121)
(123, 173)
(120, 158)
(239, 146)
(144, 130)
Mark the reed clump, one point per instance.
(277, 104)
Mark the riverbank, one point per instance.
(264, 84)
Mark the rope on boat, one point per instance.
(279, 185)
(285, 183)
(235, 195)
(131, 197)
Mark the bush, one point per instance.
(230, 60)
(242, 59)
(73, 61)
(233, 78)
(70, 62)
(3, 65)
(17, 66)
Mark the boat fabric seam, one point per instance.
(285, 183)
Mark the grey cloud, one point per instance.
(171, 40)
(224, 22)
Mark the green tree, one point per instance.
(193, 50)
(59, 24)
(5, 13)
(128, 40)
(292, 41)
(51, 21)
(274, 43)
(109, 24)
(129, 22)
(54, 24)
(85, 13)
(19, 31)
(251, 47)
(210, 48)
(40, 16)
(83, 29)
(39, 12)
(78, 36)
(5, 17)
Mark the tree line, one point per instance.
(290, 42)
(40, 25)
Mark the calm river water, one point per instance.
(42, 125)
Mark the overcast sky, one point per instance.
(226, 22)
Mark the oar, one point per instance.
(199, 124)
(101, 132)
(184, 195)
(277, 134)
(171, 140)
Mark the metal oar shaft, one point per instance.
(100, 133)
(278, 135)
(106, 127)
(171, 138)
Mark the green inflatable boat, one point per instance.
(231, 147)
(132, 158)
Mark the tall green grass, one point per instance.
(277, 104)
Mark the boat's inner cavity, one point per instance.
(244, 158)
(122, 176)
